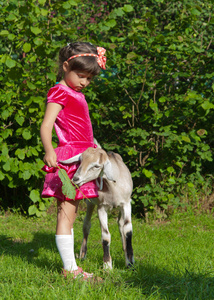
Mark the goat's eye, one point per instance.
(96, 167)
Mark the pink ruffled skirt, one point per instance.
(53, 184)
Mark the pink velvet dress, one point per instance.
(74, 130)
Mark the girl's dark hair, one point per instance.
(83, 63)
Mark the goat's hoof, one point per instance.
(107, 265)
(130, 266)
(82, 256)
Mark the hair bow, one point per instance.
(101, 59)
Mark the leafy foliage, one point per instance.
(154, 103)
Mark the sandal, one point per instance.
(79, 273)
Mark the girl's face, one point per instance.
(77, 80)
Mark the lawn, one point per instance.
(173, 260)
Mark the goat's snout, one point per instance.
(75, 179)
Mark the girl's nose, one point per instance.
(83, 81)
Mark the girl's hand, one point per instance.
(50, 159)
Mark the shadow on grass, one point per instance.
(34, 252)
(41, 251)
(153, 282)
(164, 285)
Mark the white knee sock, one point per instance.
(72, 234)
(65, 245)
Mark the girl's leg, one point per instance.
(66, 215)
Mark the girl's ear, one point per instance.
(65, 66)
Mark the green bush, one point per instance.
(154, 103)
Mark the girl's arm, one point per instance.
(51, 113)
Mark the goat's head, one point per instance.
(94, 163)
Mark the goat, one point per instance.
(115, 189)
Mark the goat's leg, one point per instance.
(106, 237)
(125, 226)
(86, 228)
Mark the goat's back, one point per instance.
(121, 171)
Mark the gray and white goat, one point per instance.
(115, 189)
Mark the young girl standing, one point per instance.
(67, 111)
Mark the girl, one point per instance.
(67, 111)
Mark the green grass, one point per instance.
(173, 260)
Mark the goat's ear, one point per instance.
(108, 171)
(96, 143)
(71, 160)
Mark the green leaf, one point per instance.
(35, 196)
(42, 206)
(26, 175)
(26, 134)
(5, 114)
(128, 8)
(11, 37)
(162, 99)
(170, 169)
(35, 152)
(110, 23)
(66, 5)
(4, 32)
(11, 17)
(32, 210)
(67, 188)
(207, 105)
(10, 63)
(4, 150)
(179, 164)
(2, 176)
(51, 76)
(122, 108)
(132, 55)
(145, 201)
(147, 173)
(73, 2)
(44, 12)
(153, 106)
(170, 196)
(20, 153)
(195, 12)
(19, 120)
(6, 166)
(6, 133)
(26, 47)
(171, 180)
(31, 85)
(117, 12)
(186, 139)
(35, 30)
(190, 184)
(198, 50)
